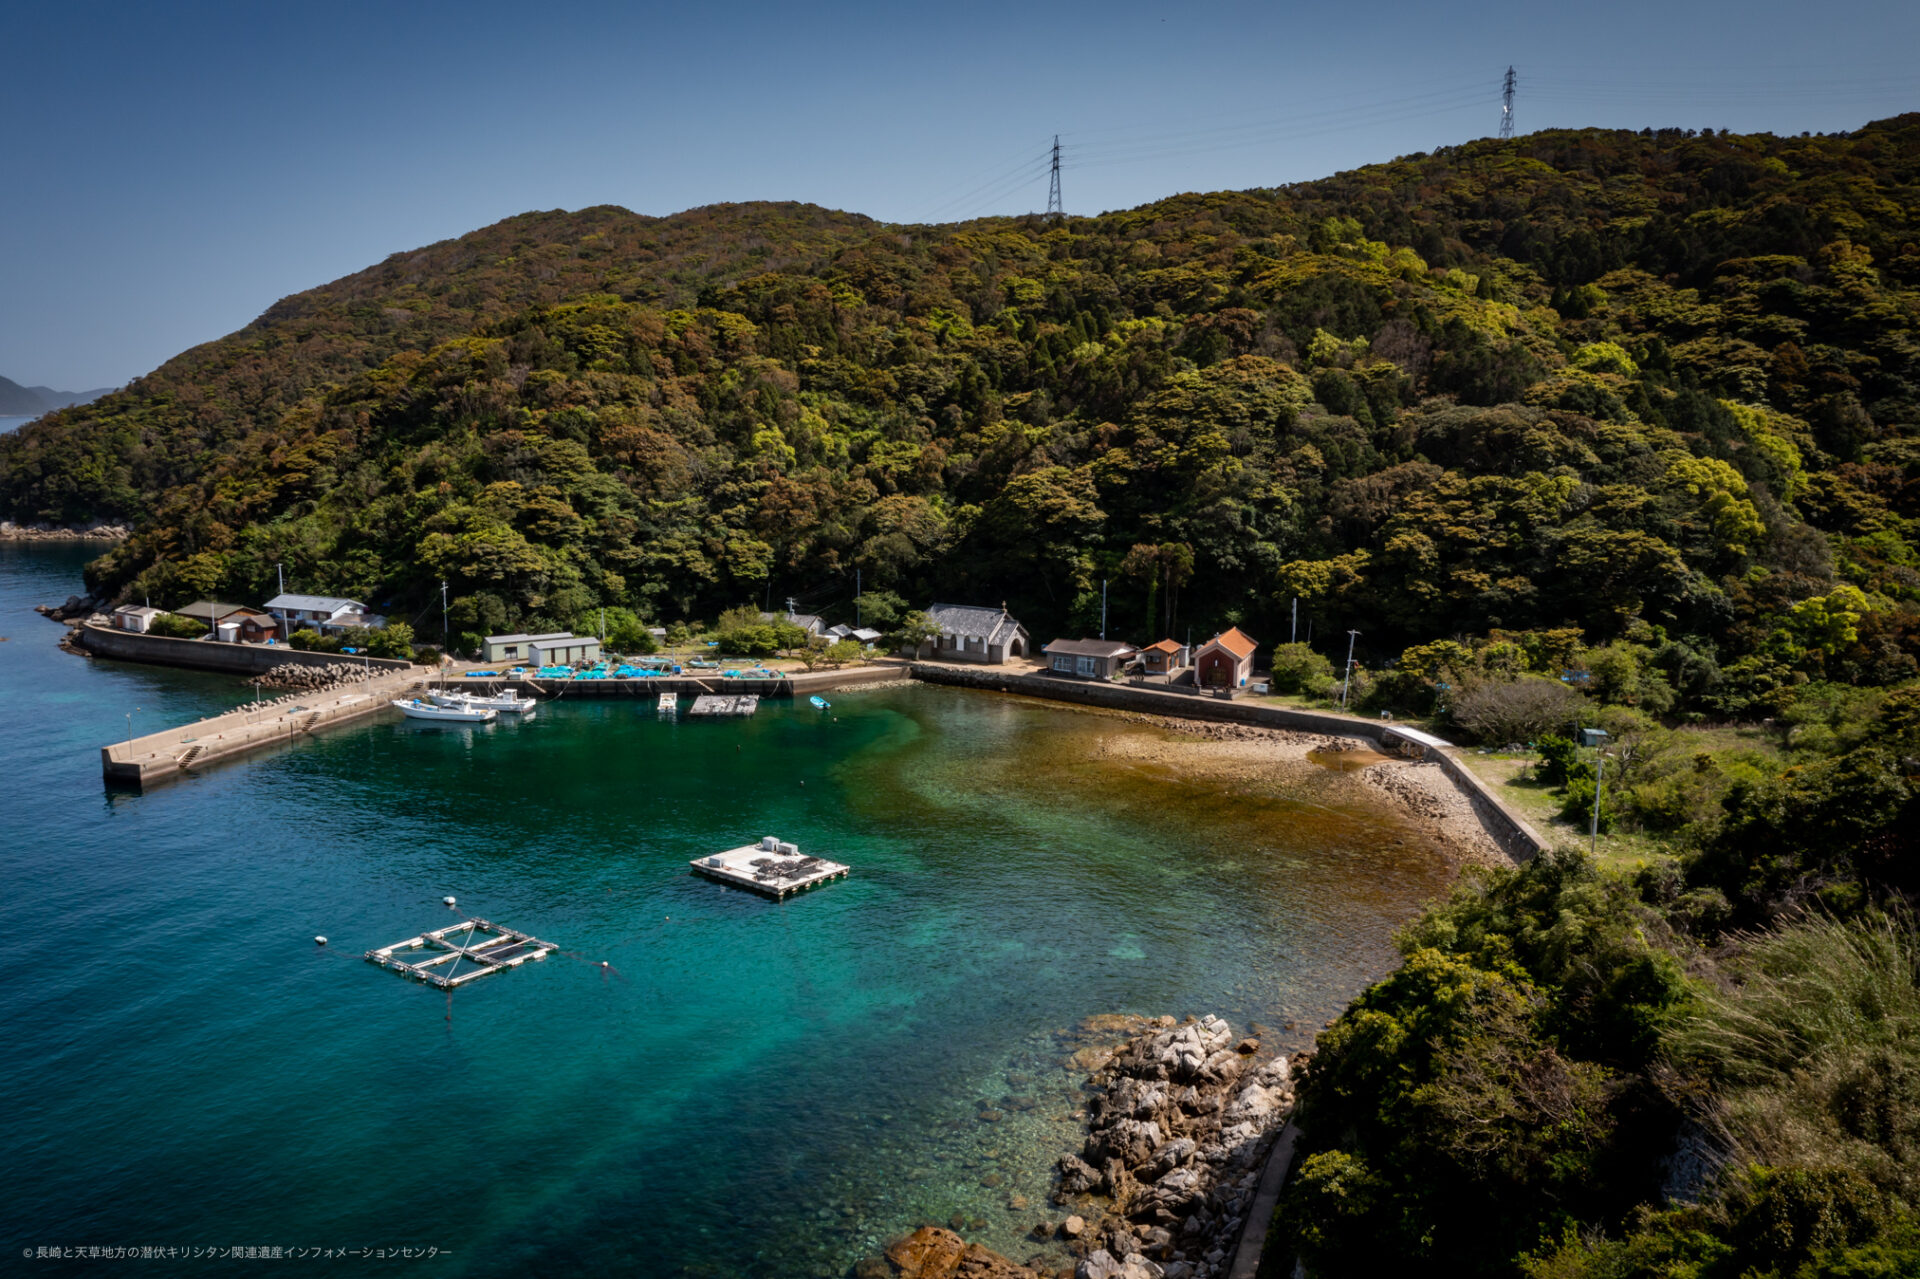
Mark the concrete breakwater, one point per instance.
(1513, 834)
(206, 655)
(1181, 1118)
(155, 757)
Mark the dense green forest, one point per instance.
(1623, 422)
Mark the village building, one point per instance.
(1225, 661)
(516, 647)
(562, 650)
(1164, 658)
(232, 623)
(323, 613)
(858, 634)
(811, 623)
(1088, 659)
(135, 617)
(969, 634)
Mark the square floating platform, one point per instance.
(491, 947)
(774, 872)
(725, 704)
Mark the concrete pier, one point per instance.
(156, 757)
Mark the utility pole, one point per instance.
(1296, 621)
(1599, 772)
(1348, 677)
(1506, 105)
(1054, 210)
(1103, 608)
(856, 599)
(446, 640)
(281, 569)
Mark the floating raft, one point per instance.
(770, 868)
(491, 948)
(725, 704)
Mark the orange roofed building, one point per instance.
(1164, 658)
(1225, 661)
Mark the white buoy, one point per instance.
(447, 900)
(321, 941)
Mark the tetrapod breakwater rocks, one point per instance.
(313, 679)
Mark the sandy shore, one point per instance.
(1261, 759)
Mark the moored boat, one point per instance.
(420, 708)
(505, 700)
(819, 702)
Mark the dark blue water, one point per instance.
(752, 1089)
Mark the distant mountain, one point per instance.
(31, 401)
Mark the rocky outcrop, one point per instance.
(1179, 1123)
(78, 608)
(11, 532)
(932, 1252)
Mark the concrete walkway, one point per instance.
(155, 757)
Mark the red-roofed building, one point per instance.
(1225, 661)
(1163, 658)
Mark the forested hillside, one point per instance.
(1583, 378)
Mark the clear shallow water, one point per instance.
(755, 1089)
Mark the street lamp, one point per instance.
(130, 715)
(1348, 677)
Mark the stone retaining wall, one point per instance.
(210, 655)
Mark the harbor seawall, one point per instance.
(1516, 838)
(207, 655)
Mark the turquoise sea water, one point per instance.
(752, 1089)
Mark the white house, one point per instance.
(135, 617)
(321, 613)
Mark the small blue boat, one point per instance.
(820, 702)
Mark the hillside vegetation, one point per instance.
(1615, 427)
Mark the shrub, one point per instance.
(1557, 758)
(1579, 805)
(393, 640)
(1294, 665)
(174, 626)
(1521, 710)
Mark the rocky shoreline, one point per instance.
(11, 532)
(1180, 1118)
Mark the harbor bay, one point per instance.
(701, 1080)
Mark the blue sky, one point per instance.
(172, 170)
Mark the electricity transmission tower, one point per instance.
(1506, 106)
(1053, 183)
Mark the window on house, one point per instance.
(1061, 662)
(1088, 665)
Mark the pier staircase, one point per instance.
(186, 757)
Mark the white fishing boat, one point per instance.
(505, 700)
(669, 703)
(420, 708)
